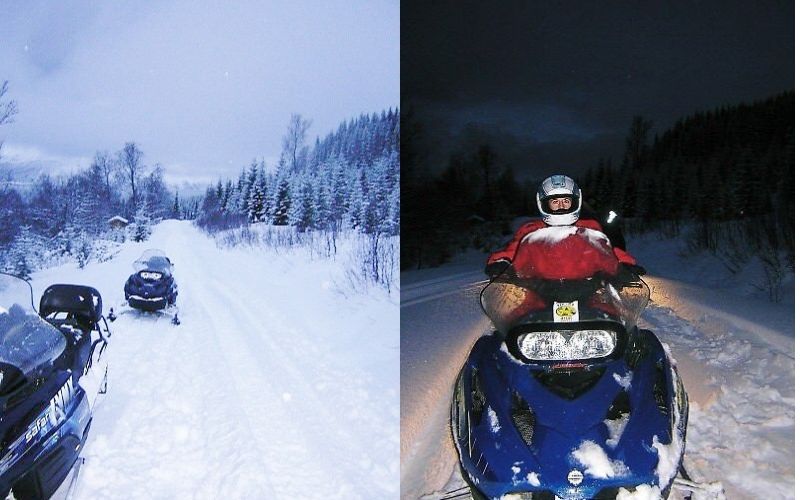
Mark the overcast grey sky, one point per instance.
(202, 87)
(555, 85)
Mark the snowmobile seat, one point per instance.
(81, 303)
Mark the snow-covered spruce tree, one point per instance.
(301, 214)
(83, 249)
(141, 227)
(283, 203)
(357, 200)
(257, 204)
(340, 190)
(235, 199)
(247, 186)
(24, 254)
(270, 191)
(323, 215)
(220, 196)
(176, 208)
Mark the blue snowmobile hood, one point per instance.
(569, 436)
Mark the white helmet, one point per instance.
(559, 186)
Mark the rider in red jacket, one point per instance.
(559, 201)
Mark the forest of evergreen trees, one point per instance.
(470, 203)
(727, 173)
(350, 179)
(730, 164)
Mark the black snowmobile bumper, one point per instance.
(147, 304)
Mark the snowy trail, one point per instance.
(734, 355)
(273, 386)
(737, 362)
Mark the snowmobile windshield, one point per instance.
(26, 340)
(155, 261)
(564, 275)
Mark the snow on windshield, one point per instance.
(153, 260)
(27, 341)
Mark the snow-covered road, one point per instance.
(275, 385)
(735, 355)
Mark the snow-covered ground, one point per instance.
(735, 353)
(275, 385)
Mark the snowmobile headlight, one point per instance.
(567, 345)
(149, 275)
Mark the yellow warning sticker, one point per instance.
(565, 312)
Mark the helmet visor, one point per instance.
(558, 204)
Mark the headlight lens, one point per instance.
(567, 345)
(147, 275)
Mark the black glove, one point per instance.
(635, 269)
(628, 274)
(494, 269)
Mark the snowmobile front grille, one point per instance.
(523, 418)
(569, 384)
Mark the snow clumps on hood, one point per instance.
(531, 478)
(592, 456)
(493, 420)
(625, 381)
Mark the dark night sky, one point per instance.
(554, 85)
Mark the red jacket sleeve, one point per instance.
(624, 257)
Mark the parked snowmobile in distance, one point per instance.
(568, 398)
(152, 286)
(52, 368)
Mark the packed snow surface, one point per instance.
(276, 384)
(734, 351)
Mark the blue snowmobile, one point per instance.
(152, 287)
(568, 398)
(53, 367)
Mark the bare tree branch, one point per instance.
(131, 167)
(294, 139)
(7, 109)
